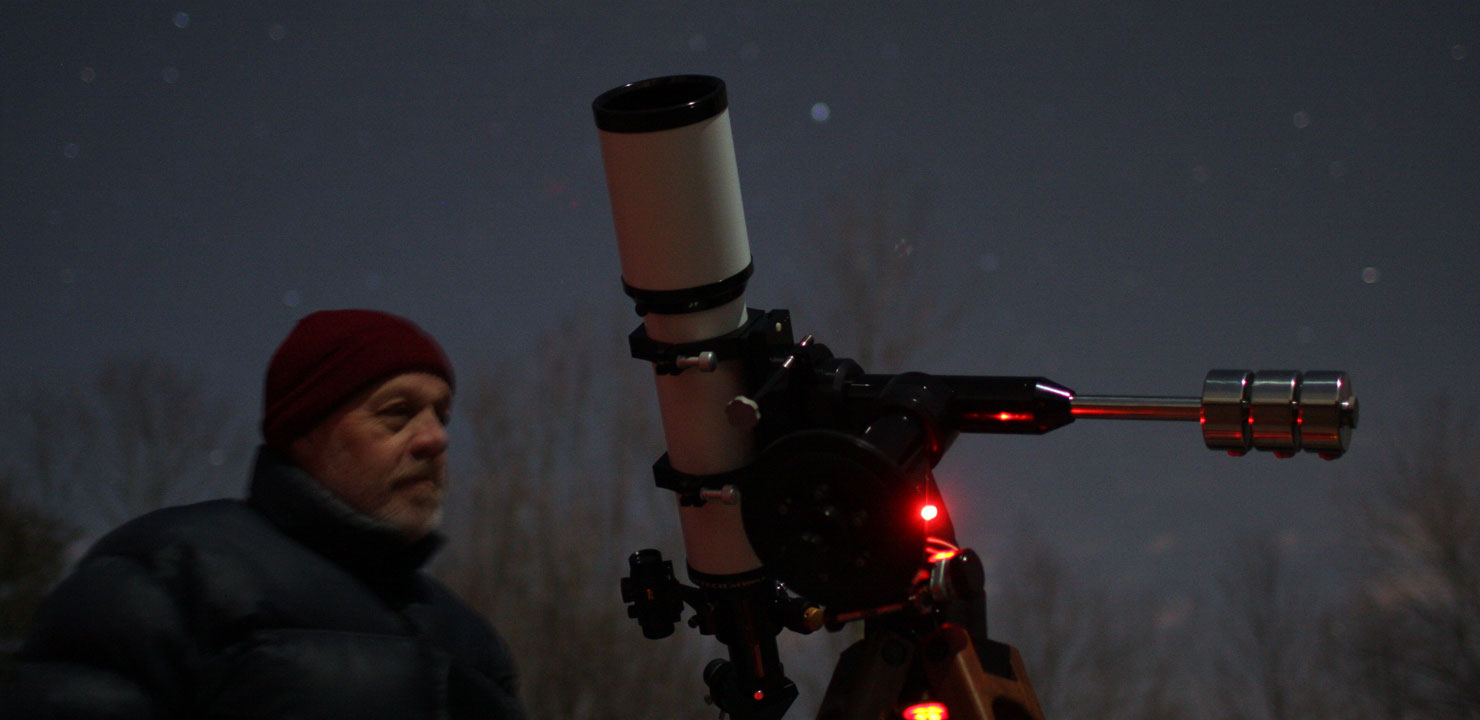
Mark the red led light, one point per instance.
(929, 511)
(927, 711)
(759, 695)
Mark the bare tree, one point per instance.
(1089, 653)
(82, 457)
(1269, 663)
(1410, 637)
(880, 270)
(32, 556)
(562, 493)
(139, 434)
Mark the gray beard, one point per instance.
(392, 522)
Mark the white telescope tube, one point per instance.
(680, 225)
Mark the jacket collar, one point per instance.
(309, 513)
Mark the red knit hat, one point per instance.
(332, 354)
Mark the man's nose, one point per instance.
(430, 439)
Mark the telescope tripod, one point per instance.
(941, 674)
(929, 657)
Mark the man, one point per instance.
(305, 600)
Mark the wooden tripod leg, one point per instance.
(993, 686)
(869, 678)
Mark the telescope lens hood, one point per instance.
(835, 520)
(661, 103)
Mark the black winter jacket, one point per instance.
(287, 605)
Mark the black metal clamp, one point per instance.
(695, 490)
(749, 342)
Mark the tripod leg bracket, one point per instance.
(998, 691)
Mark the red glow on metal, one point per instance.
(1007, 417)
(927, 711)
(940, 549)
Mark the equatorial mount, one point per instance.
(829, 504)
(797, 471)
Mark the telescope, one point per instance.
(803, 483)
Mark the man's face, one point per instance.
(384, 452)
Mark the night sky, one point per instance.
(1127, 194)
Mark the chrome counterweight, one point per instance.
(1279, 411)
